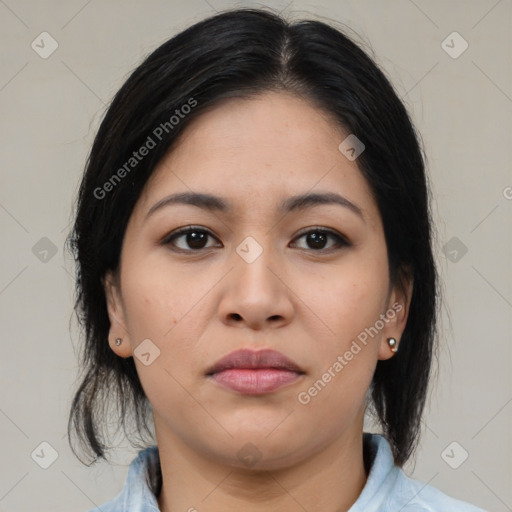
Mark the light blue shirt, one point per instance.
(387, 489)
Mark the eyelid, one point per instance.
(322, 229)
(184, 231)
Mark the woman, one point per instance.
(255, 272)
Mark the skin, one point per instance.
(309, 303)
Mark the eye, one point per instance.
(193, 236)
(318, 237)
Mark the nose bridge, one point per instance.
(254, 256)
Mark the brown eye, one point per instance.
(317, 239)
(194, 239)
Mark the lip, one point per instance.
(255, 372)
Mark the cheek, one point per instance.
(156, 312)
(155, 300)
(361, 304)
(347, 301)
(162, 307)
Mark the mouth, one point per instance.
(255, 372)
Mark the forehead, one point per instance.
(257, 152)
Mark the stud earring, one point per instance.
(392, 344)
(118, 341)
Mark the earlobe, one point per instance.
(120, 346)
(118, 338)
(397, 315)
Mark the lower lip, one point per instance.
(255, 381)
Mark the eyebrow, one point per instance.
(294, 203)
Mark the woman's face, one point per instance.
(251, 277)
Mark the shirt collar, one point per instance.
(144, 479)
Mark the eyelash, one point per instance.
(341, 240)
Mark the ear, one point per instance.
(116, 316)
(396, 314)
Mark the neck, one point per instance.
(329, 481)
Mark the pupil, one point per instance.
(195, 238)
(316, 238)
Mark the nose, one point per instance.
(256, 294)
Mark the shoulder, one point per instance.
(138, 492)
(419, 496)
(389, 489)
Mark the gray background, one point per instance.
(50, 108)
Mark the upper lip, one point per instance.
(245, 358)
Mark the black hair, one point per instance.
(244, 53)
